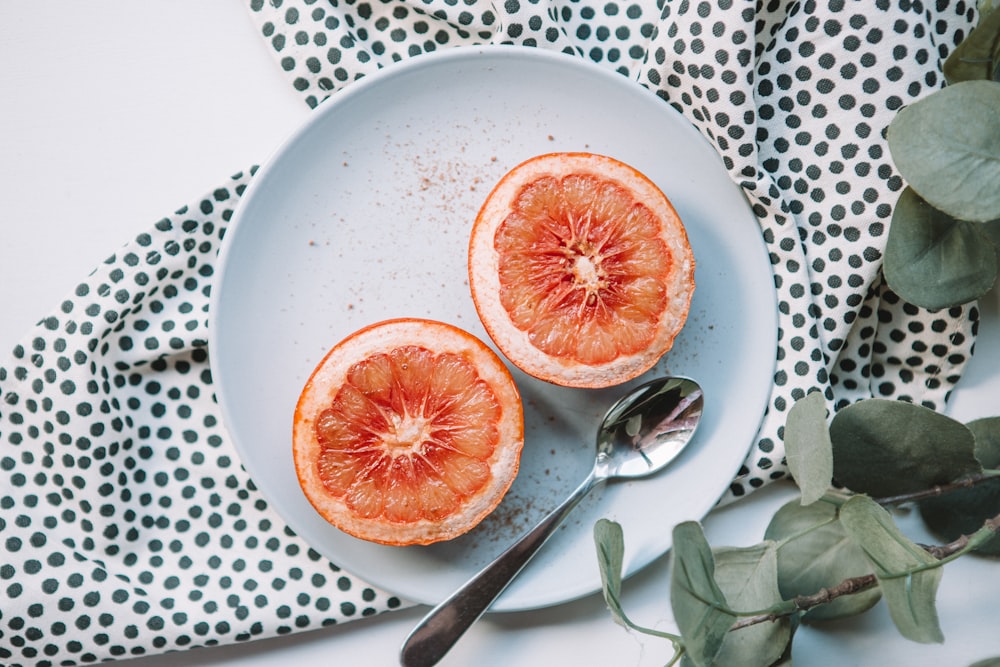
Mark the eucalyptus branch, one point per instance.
(964, 543)
(940, 489)
(806, 602)
(944, 553)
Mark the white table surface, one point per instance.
(114, 113)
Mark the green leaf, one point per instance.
(633, 425)
(807, 447)
(978, 55)
(887, 448)
(815, 553)
(947, 146)
(988, 662)
(610, 554)
(610, 545)
(962, 512)
(748, 578)
(699, 606)
(908, 575)
(991, 230)
(933, 260)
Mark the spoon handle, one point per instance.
(447, 622)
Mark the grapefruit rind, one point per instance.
(329, 376)
(485, 283)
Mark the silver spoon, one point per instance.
(641, 433)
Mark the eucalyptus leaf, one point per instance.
(978, 55)
(991, 229)
(699, 606)
(932, 259)
(748, 578)
(815, 553)
(962, 512)
(633, 425)
(988, 662)
(610, 545)
(888, 448)
(947, 146)
(808, 451)
(907, 574)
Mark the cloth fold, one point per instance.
(129, 526)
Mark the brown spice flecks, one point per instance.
(511, 518)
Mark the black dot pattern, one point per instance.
(799, 115)
(795, 96)
(128, 526)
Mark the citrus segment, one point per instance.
(408, 432)
(580, 269)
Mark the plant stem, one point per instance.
(939, 490)
(965, 542)
(806, 602)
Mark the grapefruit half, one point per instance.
(580, 269)
(409, 431)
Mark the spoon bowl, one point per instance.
(642, 433)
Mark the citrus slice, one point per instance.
(580, 269)
(409, 431)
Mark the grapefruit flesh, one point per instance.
(409, 431)
(580, 269)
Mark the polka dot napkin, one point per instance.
(128, 526)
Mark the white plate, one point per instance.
(364, 214)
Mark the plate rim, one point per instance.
(359, 87)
